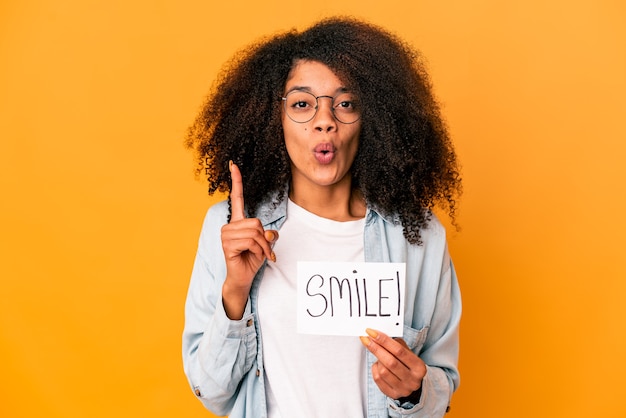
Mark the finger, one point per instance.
(402, 342)
(233, 249)
(236, 193)
(387, 382)
(249, 231)
(271, 236)
(397, 349)
(389, 365)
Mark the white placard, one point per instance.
(345, 298)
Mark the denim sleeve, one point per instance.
(217, 352)
(439, 351)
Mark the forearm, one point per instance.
(217, 351)
(234, 300)
(217, 359)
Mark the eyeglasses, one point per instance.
(301, 106)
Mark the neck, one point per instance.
(337, 202)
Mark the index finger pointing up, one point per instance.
(236, 193)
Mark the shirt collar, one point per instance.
(273, 210)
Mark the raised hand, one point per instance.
(246, 246)
(399, 371)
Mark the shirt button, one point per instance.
(258, 372)
(249, 323)
(197, 392)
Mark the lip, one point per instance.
(324, 152)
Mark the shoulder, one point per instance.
(218, 211)
(215, 218)
(434, 232)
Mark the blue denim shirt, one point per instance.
(223, 359)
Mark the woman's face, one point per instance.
(321, 150)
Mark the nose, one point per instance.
(324, 120)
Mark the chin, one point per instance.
(326, 181)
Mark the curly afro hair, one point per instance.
(405, 165)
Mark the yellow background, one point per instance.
(100, 211)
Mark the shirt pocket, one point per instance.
(414, 338)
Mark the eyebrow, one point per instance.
(309, 90)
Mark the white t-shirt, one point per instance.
(309, 375)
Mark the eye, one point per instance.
(299, 101)
(300, 105)
(346, 103)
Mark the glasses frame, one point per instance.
(317, 105)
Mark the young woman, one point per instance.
(333, 149)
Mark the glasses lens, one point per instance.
(300, 106)
(346, 108)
